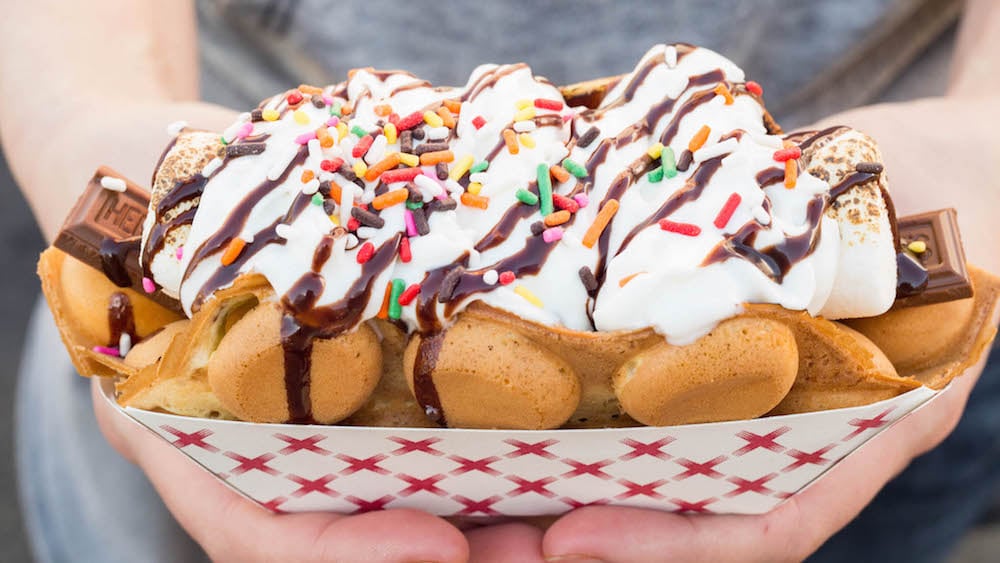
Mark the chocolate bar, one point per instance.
(104, 231)
(931, 260)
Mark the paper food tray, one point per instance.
(741, 467)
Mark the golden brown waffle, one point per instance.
(494, 370)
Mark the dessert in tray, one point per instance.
(646, 249)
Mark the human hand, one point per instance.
(231, 528)
(790, 532)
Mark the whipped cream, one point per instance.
(689, 244)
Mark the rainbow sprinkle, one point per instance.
(726, 213)
(553, 105)
(596, 228)
(365, 253)
(787, 153)
(699, 138)
(669, 162)
(390, 198)
(686, 229)
(395, 308)
(408, 159)
(528, 296)
(473, 200)
(461, 167)
(552, 234)
(433, 119)
(106, 350)
(510, 139)
(362, 147)
(525, 114)
(791, 173)
(556, 218)
(232, 252)
(544, 189)
(409, 294)
(574, 168)
(723, 91)
(526, 197)
(404, 250)
(565, 203)
(390, 133)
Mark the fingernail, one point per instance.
(573, 559)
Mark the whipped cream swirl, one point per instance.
(694, 234)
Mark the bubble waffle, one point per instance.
(383, 252)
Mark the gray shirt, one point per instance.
(801, 52)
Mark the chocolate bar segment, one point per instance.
(104, 231)
(947, 278)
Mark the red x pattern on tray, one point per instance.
(734, 467)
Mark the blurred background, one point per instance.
(21, 241)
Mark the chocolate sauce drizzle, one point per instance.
(638, 77)
(184, 191)
(233, 226)
(770, 176)
(690, 192)
(121, 319)
(911, 276)
(423, 376)
(304, 322)
(297, 345)
(114, 255)
(774, 261)
(777, 260)
(489, 79)
(530, 259)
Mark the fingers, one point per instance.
(935, 421)
(231, 528)
(391, 535)
(619, 534)
(108, 422)
(515, 542)
(790, 532)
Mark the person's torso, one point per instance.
(252, 49)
